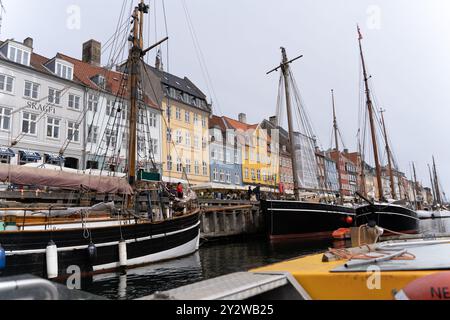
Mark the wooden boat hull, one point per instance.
(146, 243)
(390, 217)
(295, 219)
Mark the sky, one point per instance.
(405, 43)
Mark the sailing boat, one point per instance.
(299, 219)
(391, 217)
(100, 242)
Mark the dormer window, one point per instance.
(19, 55)
(99, 80)
(64, 71)
(61, 68)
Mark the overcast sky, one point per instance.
(405, 42)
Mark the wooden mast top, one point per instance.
(286, 74)
(372, 121)
(336, 140)
(388, 152)
(436, 184)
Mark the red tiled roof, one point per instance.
(116, 82)
(240, 125)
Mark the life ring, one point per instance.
(433, 287)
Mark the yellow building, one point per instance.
(185, 123)
(260, 156)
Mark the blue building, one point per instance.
(225, 155)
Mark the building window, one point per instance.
(205, 168)
(196, 142)
(29, 123)
(196, 118)
(215, 174)
(73, 131)
(92, 135)
(196, 167)
(5, 118)
(6, 83)
(204, 122)
(259, 175)
(54, 96)
(169, 134)
(64, 71)
(179, 165)
(111, 138)
(74, 102)
(188, 166)
(53, 128)
(246, 174)
(188, 139)
(222, 176)
(253, 174)
(213, 153)
(178, 114)
(92, 102)
(19, 56)
(237, 178)
(109, 107)
(168, 112)
(187, 116)
(154, 146)
(228, 177)
(179, 137)
(152, 120)
(169, 163)
(31, 90)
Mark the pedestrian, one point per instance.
(249, 193)
(180, 190)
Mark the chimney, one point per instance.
(346, 151)
(28, 42)
(274, 121)
(242, 117)
(92, 52)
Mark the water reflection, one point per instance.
(215, 259)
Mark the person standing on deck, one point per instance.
(180, 190)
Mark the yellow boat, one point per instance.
(371, 272)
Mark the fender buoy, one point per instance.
(92, 252)
(2, 258)
(123, 253)
(349, 220)
(433, 287)
(341, 233)
(51, 255)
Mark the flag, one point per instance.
(360, 37)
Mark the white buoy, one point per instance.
(51, 253)
(123, 253)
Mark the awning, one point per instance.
(29, 155)
(54, 157)
(174, 180)
(7, 152)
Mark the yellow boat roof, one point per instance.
(369, 282)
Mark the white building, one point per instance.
(70, 107)
(40, 107)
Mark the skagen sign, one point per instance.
(43, 108)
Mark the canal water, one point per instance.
(215, 258)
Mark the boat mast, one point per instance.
(415, 185)
(371, 119)
(286, 73)
(336, 140)
(436, 184)
(363, 174)
(388, 151)
(432, 185)
(136, 53)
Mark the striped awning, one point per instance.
(7, 152)
(29, 155)
(54, 157)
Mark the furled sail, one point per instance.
(40, 177)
